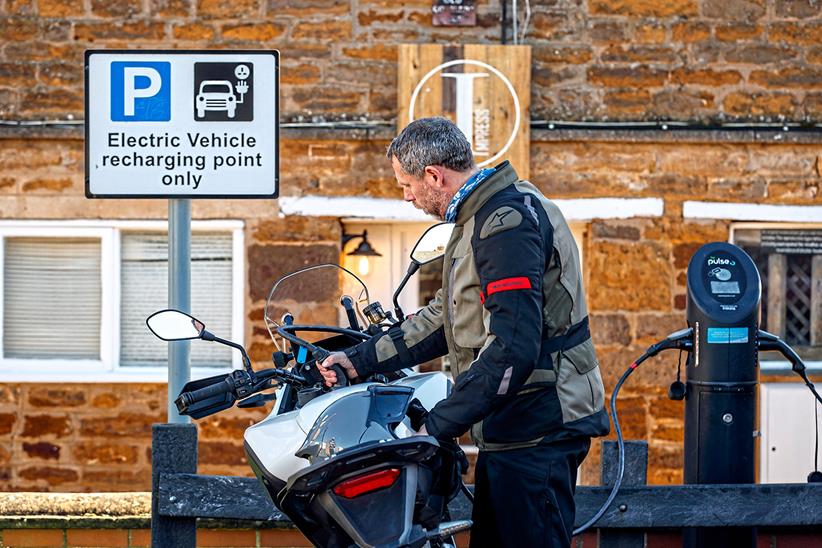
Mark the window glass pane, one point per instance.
(52, 298)
(144, 290)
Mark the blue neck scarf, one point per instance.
(466, 189)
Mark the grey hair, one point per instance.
(431, 142)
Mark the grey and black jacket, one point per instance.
(512, 316)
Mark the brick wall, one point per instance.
(86, 437)
(706, 60)
(697, 60)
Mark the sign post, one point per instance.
(181, 125)
(179, 297)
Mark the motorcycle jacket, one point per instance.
(512, 317)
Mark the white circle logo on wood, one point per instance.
(475, 123)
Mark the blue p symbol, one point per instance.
(140, 91)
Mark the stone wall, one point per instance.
(705, 60)
(86, 437)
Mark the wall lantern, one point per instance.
(363, 251)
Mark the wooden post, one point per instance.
(816, 301)
(173, 451)
(636, 473)
(777, 287)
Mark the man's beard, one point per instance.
(433, 202)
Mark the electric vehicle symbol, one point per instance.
(242, 72)
(219, 95)
(722, 274)
(223, 92)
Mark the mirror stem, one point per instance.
(207, 336)
(412, 268)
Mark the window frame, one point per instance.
(108, 368)
(779, 366)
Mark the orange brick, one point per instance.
(690, 32)
(61, 8)
(235, 538)
(99, 538)
(140, 538)
(135, 30)
(276, 538)
(644, 8)
(226, 8)
(41, 538)
(626, 77)
(259, 32)
(322, 31)
(193, 31)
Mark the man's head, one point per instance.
(431, 159)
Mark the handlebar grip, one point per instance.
(342, 378)
(194, 396)
(320, 354)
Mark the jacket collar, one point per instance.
(503, 176)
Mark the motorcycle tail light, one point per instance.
(367, 483)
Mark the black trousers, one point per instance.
(525, 497)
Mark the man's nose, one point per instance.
(407, 195)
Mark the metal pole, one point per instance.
(179, 297)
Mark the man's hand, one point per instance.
(340, 359)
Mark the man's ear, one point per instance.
(435, 175)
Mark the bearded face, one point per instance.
(420, 192)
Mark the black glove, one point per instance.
(417, 414)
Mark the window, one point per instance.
(74, 297)
(789, 260)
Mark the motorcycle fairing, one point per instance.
(277, 438)
(359, 418)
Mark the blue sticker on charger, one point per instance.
(727, 335)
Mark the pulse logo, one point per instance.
(719, 260)
(140, 91)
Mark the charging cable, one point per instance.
(682, 340)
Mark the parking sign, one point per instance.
(182, 124)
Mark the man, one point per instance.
(512, 316)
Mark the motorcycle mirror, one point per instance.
(173, 325)
(431, 245)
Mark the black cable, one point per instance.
(816, 443)
(621, 446)
(816, 475)
(810, 385)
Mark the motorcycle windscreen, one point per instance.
(357, 419)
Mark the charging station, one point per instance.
(722, 373)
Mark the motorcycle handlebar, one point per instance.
(194, 396)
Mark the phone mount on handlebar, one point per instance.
(306, 354)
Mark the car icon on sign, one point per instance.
(216, 95)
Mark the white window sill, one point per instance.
(125, 374)
(779, 367)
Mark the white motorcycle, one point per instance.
(344, 463)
